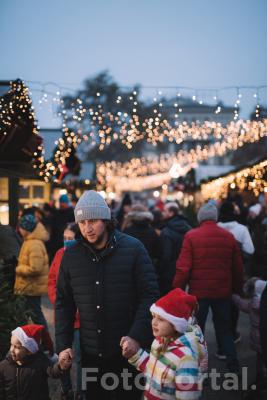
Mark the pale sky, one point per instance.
(196, 43)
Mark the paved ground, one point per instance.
(246, 357)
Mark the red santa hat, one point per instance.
(176, 307)
(32, 336)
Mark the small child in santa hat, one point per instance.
(173, 367)
(24, 372)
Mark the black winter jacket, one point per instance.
(263, 325)
(27, 381)
(113, 291)
(142, 231)
(171, 237)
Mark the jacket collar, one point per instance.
(207, 223)
(109, 248)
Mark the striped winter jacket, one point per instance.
(176, 374)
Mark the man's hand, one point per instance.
(65, 358)
(129, 346)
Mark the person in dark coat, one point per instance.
(210, 263)
(24, 372)
(263, 325)
(123, 210)
(138, 225)
(61, 218)
(109, 277)
(9, 252)
(171, 239)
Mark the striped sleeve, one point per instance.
(187, 379)
(139, 360)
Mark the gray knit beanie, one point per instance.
(208, 212)
(91, 205)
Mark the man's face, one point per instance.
(17, 351)
(93, 230)
(167, 214)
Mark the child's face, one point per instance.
(17, 351)
(161, 327)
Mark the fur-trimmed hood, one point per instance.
(139, 216)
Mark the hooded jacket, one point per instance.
(167, 375)
(29, 380)
(112, 289)
(32, 269)
(171, 239)
(141, 229)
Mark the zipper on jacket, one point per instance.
(18, 382)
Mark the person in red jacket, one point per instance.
(210, 263)
(69, 240)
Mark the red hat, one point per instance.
(32, 336)
(176, 307)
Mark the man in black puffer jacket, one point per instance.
(109, 277)
(171, 237)
(263, 325)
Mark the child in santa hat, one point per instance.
(24, 372)
(173, 367)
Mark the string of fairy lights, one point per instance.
(239, 133)
(99, 127)
(128, 128)
(16, 110)
(252, 179)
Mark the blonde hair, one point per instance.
(165, 343)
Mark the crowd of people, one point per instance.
(119, 276)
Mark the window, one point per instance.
(33, 192)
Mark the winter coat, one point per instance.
(140, 229)
(241, 234)
(32, 269)
(29, 380)
(52, 281)
(113, 290)
(61, 218)
(171, 239)
(251, 307)
(263, 325)
(263, 250)
(210, 262)
(167, 375)
(10, 244)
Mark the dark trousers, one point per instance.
(221, 315)
(234, 318)
(34, 305)
(234, 323)
(105, 382)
